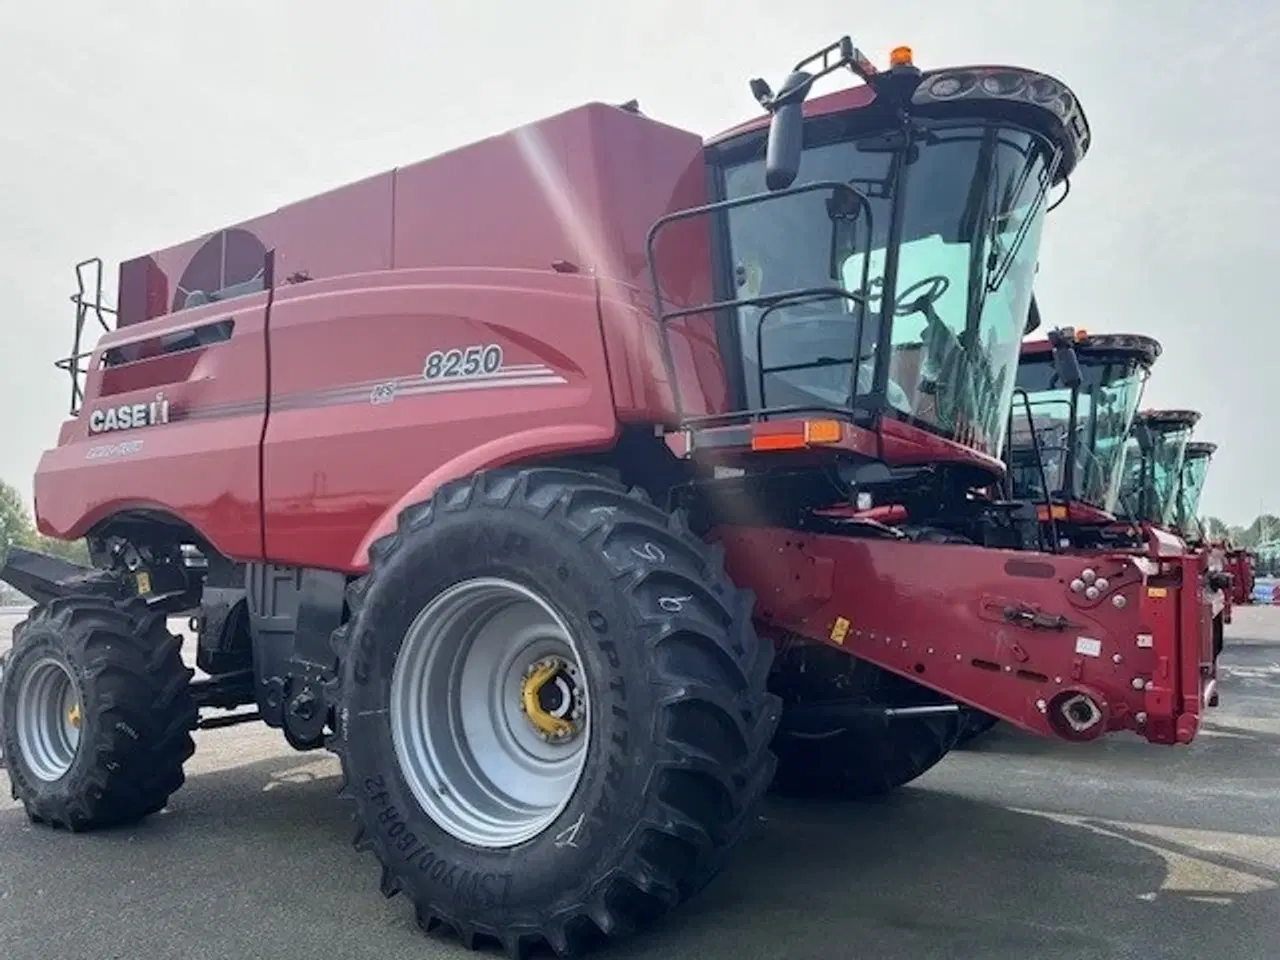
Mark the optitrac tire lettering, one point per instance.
(134, 712)
(680, 718)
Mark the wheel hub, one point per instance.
(551, 699)
(48, 719)
(490, 712)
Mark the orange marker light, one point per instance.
(1058, 512)
(900, 57)
(777, 441)
(822, 431)
(809, 433)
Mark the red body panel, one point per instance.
(961, 619)
(324, 503)
(531, 242)
(1239, 563)
(202, 466)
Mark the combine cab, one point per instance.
(1077, 399)
(555, 544)
(1186, 523)
(1154, 498)
(1154, 457)
(1195, 471)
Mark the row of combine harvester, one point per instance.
(678, 473)
(1102, 472)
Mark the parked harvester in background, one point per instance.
(1220, 581)
(1076, 399)
(1191, 481)
(1157, 453)
(1240, 564)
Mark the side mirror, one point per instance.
(786, 132)
(844, 207)
(1065, 361)
(1033, 318)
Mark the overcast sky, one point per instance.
(132, 125)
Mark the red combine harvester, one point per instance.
(1154, 466)
(1186, 523)
(1239, 563)
(1076, 399)
(514, 516)
(1195, 471)
(1156, 452)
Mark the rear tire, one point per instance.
(3, 659)
(674, 751)
(96, 713)
(862, 759)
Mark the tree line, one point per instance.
(1265, 528)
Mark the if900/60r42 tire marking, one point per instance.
(675, 675)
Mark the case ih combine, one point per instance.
(1195, 471)
(530, 480)
(1156, 466)
(1239, 563)
(1076, 399)
(1157, 449)
(1186, 522)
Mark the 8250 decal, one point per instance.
(478, 360)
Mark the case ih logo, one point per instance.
(129, 416)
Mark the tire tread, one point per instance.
(705, 787)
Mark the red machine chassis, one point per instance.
(1013, 633)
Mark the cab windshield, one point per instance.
(1154, 461)
(963, 206)
(1195, 470)
(1108, 398)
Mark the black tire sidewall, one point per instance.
(592, 832)
(39, 643)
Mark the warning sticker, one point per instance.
(1088, 647)
(839, 630)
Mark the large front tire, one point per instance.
(96, 713)
(976, 725)
(653, 643)
(864, 758)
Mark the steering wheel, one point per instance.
(920, 297)
(931, 291)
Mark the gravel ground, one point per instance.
(1014, 848)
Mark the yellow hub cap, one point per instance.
(550, 698)
(73, 716)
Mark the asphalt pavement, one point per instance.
(1015, 848)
